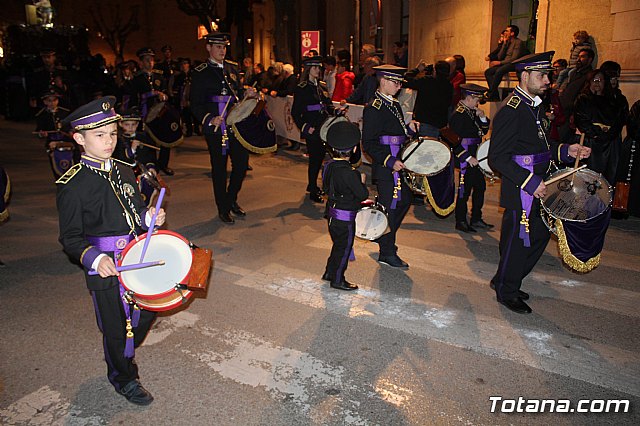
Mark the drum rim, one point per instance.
(238, 106)
(373, 207)
(141, 238)
(588, 171)
(425, 138)
(174, 303)
(485, 161)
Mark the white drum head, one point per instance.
(430, 157)
(483, 156)
(370, 223)
(241, 111)
(154, 280)
(324, 129)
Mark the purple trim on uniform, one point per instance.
(218, 99)
(390, 162)
(564, 154)
(392, 140)
(344, 215)
(114, 372)
(93, 162)
(90, 256)
(314, 107)
(527, 162)
(505, 257)
(129, 350)
(111, 243)
(95, 118)
(466, 143)
(347, 253)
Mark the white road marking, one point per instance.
(561, 354)
(620, 301)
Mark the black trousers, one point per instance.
(111, 321)
(226, 194)
(387, 242)
(516, 260)
(189, 121)
(474, 186)
(316, 150)
(163, 157)
(494, 76)
(342, 234)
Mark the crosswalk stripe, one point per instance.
(565, 287)
(556, 353)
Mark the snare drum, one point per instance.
(371, 221)
(483, 159)
(424, 157)
(324, 129)
(162, 287)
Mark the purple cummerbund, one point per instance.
(344, 215)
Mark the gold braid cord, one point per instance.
(250, 147)
(568, 257)
(441, 211)
(4, 215)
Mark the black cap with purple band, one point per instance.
(95, 114)
(218, 38)
(472, 89)
(535, 62)
(391, 72)
(145, 51)
(52, 91)
(313, 61)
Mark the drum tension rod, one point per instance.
(179, 288)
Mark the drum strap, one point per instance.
(394, 143)
(466, 143)
(527, 162)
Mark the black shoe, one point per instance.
(521, 294)
(136, 394)
(237, 210)
(168, 171)
(516, 305)
(393, 261)
(326, 277)
(464, 227)
(344, 285)
(226, 218)
(316, 197)
(481, 224)
(294, 146)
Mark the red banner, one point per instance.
(309, 40)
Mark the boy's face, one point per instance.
(51, 102)
(98, 143)
(129, 126)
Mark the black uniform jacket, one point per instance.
(207, 80)
(381, 117)
(50, 120)
(467, 124)
(143, 154)
(88, 206)
(343, 185)
(515, 132)
(144, 83)
(309, 94)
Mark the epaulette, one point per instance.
(514, 102)
(460, 108)
(65, 178)
(63, 109)
(201, 67)
(231, 62)
(41, 111)
(124, 162)
(302, 84)
(376, 104)
(157, 71)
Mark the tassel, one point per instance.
(135, 318)
(128, 347)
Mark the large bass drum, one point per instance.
(424, 157)
(577, 209)
(163, 125)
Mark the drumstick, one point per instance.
(575, 166)
(563, 175)
(132, 267)
(152, 225)
(149, 146)
(215, 129)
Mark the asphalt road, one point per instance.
(272, 344)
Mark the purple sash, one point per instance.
(314, 107)
(527, 162)
(394, 143)
(144, 100)
(343, 215)
(222, 103)
(466, 143)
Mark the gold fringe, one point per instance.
(568, 257)
(7, 192)
(441, 211)
(162, 143)
(250, 147)
(4, 215)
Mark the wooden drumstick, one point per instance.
(575, 166)
(132, 267)
(215, 129)
(563, 175)
(149, 146)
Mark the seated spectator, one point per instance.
(512, 49)
(344, 83)
(493, 55)
(580, 41)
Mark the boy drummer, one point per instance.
(100, 211)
